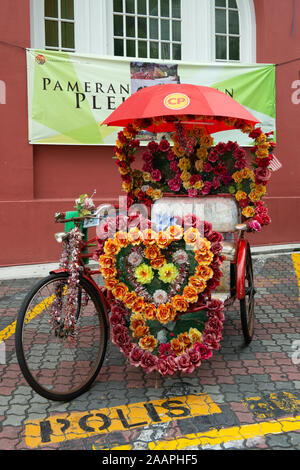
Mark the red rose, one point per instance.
(153, 146)
(205, 352)
(195, 357)
(244, 202)
(220, 169)
(184, 363)
(164, 146)
(262, 175)
(135, 356)
(263, 162)
(221, 148)
(255, 133)
(148, 361)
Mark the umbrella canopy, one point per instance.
(180, 99)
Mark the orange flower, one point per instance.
(190, 294)
(107, 261)
(140, 331)
(129, 299)
(135, 236)
(163, 240)
(148, 342)
(138, 305)
(191, 236)
(248, 211)
(108, 272)
(119, 291)
(177, 346)
(136, 320)
(152, 252)
(185, 339)
(150, 311)
(163, 313)
(110, 283)
(122, 239)
(175, 232)
(179, 303)
(205, 258)
(198, 284)
(158, 262)
(111, 247)
(202, 246)
(204, 272)
(149, 236)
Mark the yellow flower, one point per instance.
(254, 195)
(147, 177)
(247, 128)
(143, 273)
(195, 335)
(240, 195)
(260, 189)
(178, 150)
(248, 211)
(168, 272)
(237, 177)
(126, 186)
(206, 141)
(157, 194)
(262, 153)
(199, 185)
(199, 165)
(148, 343)
(187, 185)
(184, 164)
(185, 176)
(246, 173)
(261, 139)
(201, 153)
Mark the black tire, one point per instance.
(55, 367)
(247, 304)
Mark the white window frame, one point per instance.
(94, 29)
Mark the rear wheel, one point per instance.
(58, 368)
(247, 303)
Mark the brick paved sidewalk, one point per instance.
(238, 386)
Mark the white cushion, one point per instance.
(222, 212)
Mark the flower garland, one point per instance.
(193, 167)
(66, 327)
(183, 353)
(140, 313)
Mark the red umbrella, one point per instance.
(180, 99)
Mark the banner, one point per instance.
(70, 95)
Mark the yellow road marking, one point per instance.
(220, 436)
(11, 329)
(79, 425)
(296, 261)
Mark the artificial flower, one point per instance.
(168, 272)
(248, 211)
(148, 342)
(195, 335)
(144, 273)
(160, 296)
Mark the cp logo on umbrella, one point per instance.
(176, 101)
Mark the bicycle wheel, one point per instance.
(57, 368)
(247, 303)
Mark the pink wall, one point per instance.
(36, 181)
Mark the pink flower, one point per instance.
(184, 363)
(127, 348)
(240, 164)
(215, 182)
(226, 179)
(165, 351)
(207, 167)
(156, 175)
(194, 179)
(135, 356)
(195, 357)
(213, 156)
(205, 352)
(192, 192)
(206, 188)
(174, 166)
(148, 361)
(174, 184)
(255, 225)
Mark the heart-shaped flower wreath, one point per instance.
(155, 278)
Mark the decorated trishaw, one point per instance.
(187, 207)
